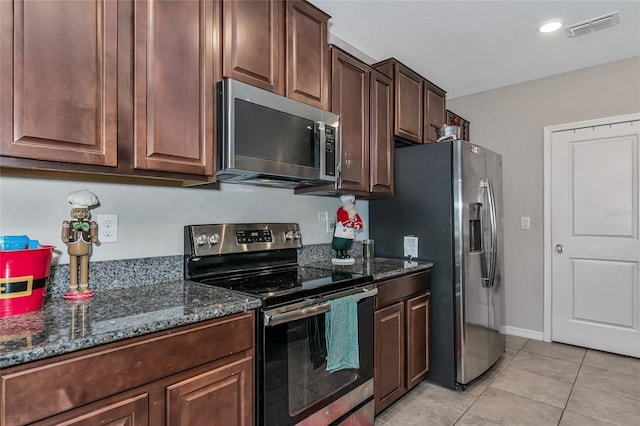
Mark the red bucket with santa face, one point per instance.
(23, 283)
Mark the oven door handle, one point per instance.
(310, 311)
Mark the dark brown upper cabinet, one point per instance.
(253, 43)
(308, 62)
(419, 105)
(174, 80)
(58, 85)
(381, 148)
(408, 105)
(110, 87)
(434, 115)
(279, 46)
(350, 100)
(363, 97)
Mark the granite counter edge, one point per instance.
(52, 349)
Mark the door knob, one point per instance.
(559, 248)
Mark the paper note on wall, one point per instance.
(410, 246)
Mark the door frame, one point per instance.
(547, 240)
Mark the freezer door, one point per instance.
(472, 241)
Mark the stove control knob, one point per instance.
(214, 239)
(201, 240)
(292, 235)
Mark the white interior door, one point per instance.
(594, 227)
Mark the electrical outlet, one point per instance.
(331, 224)
(108, 228)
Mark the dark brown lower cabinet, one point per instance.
(125, 410)
(184, 376)
(223, 394)
(401, 334)
(417, 339)
(389, 355)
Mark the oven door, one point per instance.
(294, 386)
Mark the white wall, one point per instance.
(151, 218)
(510, 120)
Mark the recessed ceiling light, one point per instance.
(549, 25)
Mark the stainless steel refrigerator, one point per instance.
(449, 195)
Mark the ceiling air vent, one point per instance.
(593, 24)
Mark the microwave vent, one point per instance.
(233, 177)
(593, 24)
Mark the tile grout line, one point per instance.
(617, 395)
(573, 385)
(554, 357)
(488, 386)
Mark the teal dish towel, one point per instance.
(342, 334)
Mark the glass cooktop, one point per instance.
(287, 285)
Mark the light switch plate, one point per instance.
(525, 222)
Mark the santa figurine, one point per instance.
(348, 222)
(78, 234)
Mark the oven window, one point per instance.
(309, 381)
(293, 375)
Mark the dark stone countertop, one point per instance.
(113, 315)
(121, 313)
(380, 268)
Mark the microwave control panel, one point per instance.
(330, 150)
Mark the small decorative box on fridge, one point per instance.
(454, 119)
(24, 275)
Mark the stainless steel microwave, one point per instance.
(267, 139)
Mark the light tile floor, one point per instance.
(535, 383)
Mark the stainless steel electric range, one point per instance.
(304, 313)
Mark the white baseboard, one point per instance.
(522, 332)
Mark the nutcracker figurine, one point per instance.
(78, 234)
(348, 222)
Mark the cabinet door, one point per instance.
(350, 99)
(434, 114)
(307, 54)
(389, 364)
(224, 394)
(409, 106)
(381, 147)
(58, 81)
(174, 78)
(130, 411)
(417, 339)
(466, 134)
(253, 41)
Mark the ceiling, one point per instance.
(469, 46)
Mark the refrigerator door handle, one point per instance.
(494, 233)
(489, 273)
